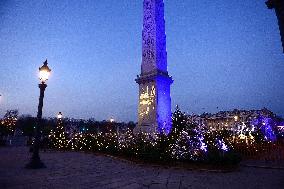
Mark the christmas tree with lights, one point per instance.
(186, 138)
(58, 138)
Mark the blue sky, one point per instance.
(224, 54)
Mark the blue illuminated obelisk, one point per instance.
(154, 108)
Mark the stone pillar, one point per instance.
(154, 109)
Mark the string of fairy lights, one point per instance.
(187, 140)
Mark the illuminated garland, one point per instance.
(187, 141)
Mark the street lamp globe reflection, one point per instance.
(59, 115)
(44, 72)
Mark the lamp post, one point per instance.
(59, 115)
(278, 6)
(35, 162)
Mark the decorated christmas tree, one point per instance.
(179, 121)
(186, 138)
(58, 138)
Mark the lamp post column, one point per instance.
(278, 6)
(42, 87)
(36, 163)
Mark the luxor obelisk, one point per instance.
(154, 108)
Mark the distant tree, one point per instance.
(27, 123)
(131, 125)
(11, 114)
(9, 122)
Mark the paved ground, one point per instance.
(81, 170)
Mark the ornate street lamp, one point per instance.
(59, 115)
(111, 120)
(278, 6)
(35, 162)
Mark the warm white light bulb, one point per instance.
(236, 118)
(59, 115)
(43, 75)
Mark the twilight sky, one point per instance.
(221, 53)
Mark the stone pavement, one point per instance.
(83, 170)
(269, 164)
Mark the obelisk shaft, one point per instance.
(154, 38)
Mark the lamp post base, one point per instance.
(35, 164)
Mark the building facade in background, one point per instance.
(231, 120)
